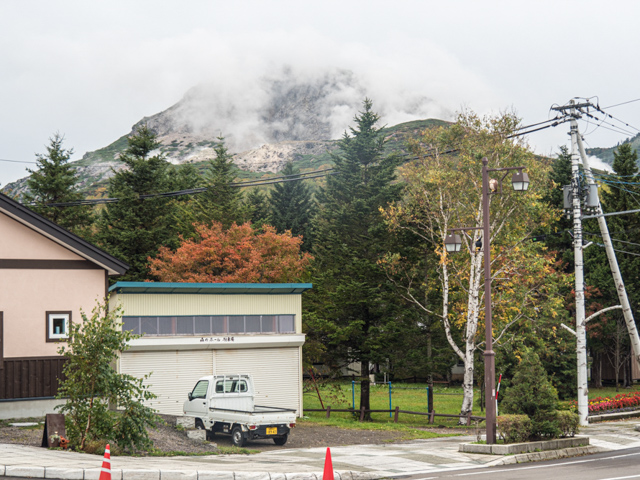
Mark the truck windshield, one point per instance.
(200, 390)
(231, 385)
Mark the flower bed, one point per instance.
(620, 403)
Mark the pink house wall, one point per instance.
(28, 293)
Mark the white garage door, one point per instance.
(276, 373)
(174, 374)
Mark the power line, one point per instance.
(623, 103)
(287, 178)
(15, 161)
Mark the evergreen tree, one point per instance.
(134, 228)
(55, 182)
(257, 206)
(291, 206)
(558, 237)
(621, 194)
(221, 202)
(352, 302)
(532, 394)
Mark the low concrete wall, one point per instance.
(612, 416)
(28, 408)
(514, 448)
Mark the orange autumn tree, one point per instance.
(238, 254)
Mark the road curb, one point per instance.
(549, 455)
(148, 474)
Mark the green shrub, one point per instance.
(92, 386)
(568, 423)
(532, 394)
(514, 428)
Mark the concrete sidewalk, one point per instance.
(352, 462)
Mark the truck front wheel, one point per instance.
(237, 437)
(281, 440)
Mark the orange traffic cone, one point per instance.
(105, 472)
(328, 467)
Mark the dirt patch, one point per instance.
(166, 438)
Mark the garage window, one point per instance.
(209, 324)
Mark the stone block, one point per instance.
(186, 422)
(211, 475)
(250, 476)
(474, 448)
(23, 471)
(131, 474)
(301, 476)
(502, 449)
(64, 473)
(197, 434)
(179, 475)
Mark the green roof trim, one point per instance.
(211, 288)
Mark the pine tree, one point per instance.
(352, 301)
(620, 195)
(134, 228)
(257, 206)
(221, 202)
(558, 236)
(55, 182)
(291, 206)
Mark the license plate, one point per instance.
(272, 431)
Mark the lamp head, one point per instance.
(520, 181)
(452, 242)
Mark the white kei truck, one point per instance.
(225, 404)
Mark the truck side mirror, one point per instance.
(190, 396)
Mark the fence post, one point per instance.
(362, 412)
(468, 419)
(432, 416)
(353, 394)
(390, 406)
(328, 411)
(395, 418)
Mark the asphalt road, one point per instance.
(618, 465)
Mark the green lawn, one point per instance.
(411, 397)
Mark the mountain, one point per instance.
(606, 154)
(285, 117)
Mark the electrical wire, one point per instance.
(15, 161)
(613, 239)
(286, 178)
(623, 103)
(619, 251)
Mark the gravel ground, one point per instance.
(167, 438)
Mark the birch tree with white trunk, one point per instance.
(444, 191)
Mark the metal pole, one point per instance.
(613, 263)
(390, 407)
(353, 394)
(489, 355)
(581, 334)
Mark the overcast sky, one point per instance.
(90, 70)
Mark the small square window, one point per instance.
(58, 326)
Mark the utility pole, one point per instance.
(613, 263)
(581, 331)
(577, 153)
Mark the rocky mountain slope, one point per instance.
(285, 118)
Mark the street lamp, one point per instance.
(453, 243)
